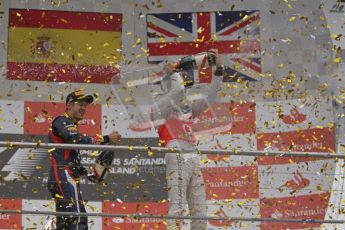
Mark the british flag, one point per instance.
(236, 35)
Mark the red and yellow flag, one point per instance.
(47, 45)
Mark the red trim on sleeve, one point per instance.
(56, 174)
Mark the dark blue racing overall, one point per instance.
(65, 172)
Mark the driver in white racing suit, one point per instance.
(181, 100)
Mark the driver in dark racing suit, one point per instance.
(66, 168)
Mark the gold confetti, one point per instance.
(58, 196)
(280, 65)
(136, 186)
(51, 150)
(292, 19)
(337, 60)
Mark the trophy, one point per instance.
(100, 169)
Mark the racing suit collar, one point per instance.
(74, 120)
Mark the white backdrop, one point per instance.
(288, 43)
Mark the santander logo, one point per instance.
(295, 117)
(306, 212)
(277, 214)
(220, 223)
(86, 121)
(41, 118)
(298, 182)
(118, 220)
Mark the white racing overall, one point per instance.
(178, 105)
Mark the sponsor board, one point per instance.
(143, 208)
(245, 208)
(10, 221)
(231, 182)
(225, 118)
(291, 115)
(133, 175)
(38, 117)
(295, 179)
(296, 207)
(310, 140)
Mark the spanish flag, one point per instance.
(47, 45)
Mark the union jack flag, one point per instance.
(235, 34)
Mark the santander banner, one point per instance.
(310, 140)
(144, 208)
(283, 187)
(10, 221)
(38, 117)
(228, 118)
(300, 207)
(231, 183)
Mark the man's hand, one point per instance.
(83, 171)
(114, 138)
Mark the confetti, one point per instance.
(291, 19)
(337, 60)
(279, 80)
(51, 150)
